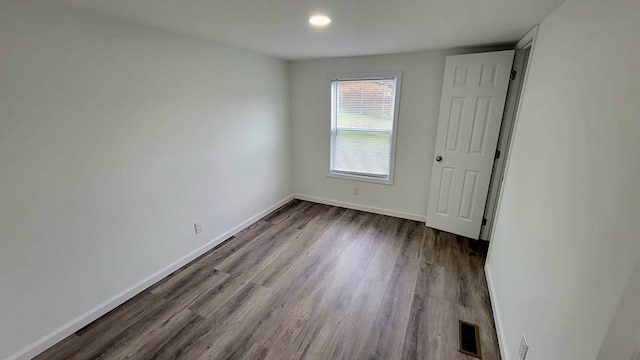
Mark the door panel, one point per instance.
(480, 121)
(445, 190)
(469, 187)
(473, 95)
(453, 125)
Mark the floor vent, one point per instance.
(469, 337)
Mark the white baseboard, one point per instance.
(78, 323)
(497, 319)
(353, 206)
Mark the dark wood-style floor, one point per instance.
(309, 281)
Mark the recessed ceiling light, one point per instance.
(319, 20)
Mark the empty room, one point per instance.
(320, 179)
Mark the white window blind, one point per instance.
(362, 129)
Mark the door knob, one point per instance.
(438, 158)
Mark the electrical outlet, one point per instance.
(356, 190)
(524, 347)
(198, 227)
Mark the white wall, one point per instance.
(114, 139)
(422, 74)
(566, 237)
(622, 340)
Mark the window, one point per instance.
(363, 125)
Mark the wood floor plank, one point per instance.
(241, 325)
(189, 285)
(442, 329)
(308, 281)
(191, 341)
(284, 211)
(278, 256)
(252, 256)
(324, 346)
(228, 248)
(383, 262)
(299, 248)
(181, 340)
(301, 282)
(310, 333)
(301, 329)
(257, 352)
(227, 299)
(351, 266)
(145, 344)
(100, 332)
(59, 350)
(386, 340)
(356, 325)
(128, 341)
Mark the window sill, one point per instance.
(384, 181)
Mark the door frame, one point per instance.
(529, 40)
(507, 128)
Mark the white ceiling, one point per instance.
(360, 27)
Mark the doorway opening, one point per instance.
(518, 75)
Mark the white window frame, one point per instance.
(387, 180)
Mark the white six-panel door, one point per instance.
(473, 97)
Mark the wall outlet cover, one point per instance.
(198, 227)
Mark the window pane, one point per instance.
(366, 104)
(362, 152)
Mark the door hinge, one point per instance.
(497, 154)
(513, 75)
(484, 222)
